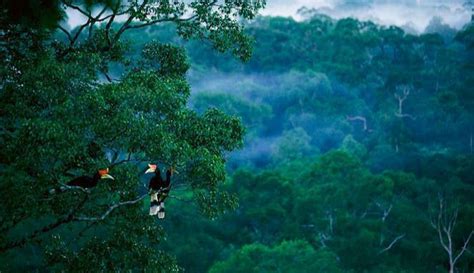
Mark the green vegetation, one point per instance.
(370, 131)
(356, 142)
(63, 115)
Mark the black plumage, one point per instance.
(85, 181)
(159, 191)
(157, 183)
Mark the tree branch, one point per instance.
(68, 218)
(392, 244)
(401, 98)
(360, 118)
(466, 243)
(405, 116)
(66, 32)
(127, 23)
(94, 20)
(167, 19)
(110, 209)
(437, 227)
(70, 5)
(109, 79)
(76, 36)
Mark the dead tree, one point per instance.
(444, 224)
(359, 118)
(383, 216)
(394, 241)
(385, 212)
(405, 92)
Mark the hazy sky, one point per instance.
(415, 13)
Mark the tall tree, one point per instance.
(63, 114)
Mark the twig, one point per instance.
(360, 118)
(466, 243)
(66, 32)
(110, 209)
(392, 244)
(68, 218)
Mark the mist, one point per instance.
(415, 14)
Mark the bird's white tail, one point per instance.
(154, 205)
(154, 209)
(161, 211)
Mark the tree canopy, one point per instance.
(62, 115)
(356, 140)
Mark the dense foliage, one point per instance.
(357, 134)
(357, 157)
(62, 116)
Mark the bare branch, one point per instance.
(386, 213)
(109, 79)
(445, 225)
(81, 28)
(401, 99)
(398, 238)
(439, 228)
(466, 243)
(94, 20)
(70, 5)
(66, 32)
(452, 222)
(360, 118)
(405, 116)
(323, 238)
(110, 209)
(127, 23)
(166, 19)
(114, 14)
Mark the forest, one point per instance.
(314, 145)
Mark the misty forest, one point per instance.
(209, 136)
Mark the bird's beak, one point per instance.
(107, 176)
(150, 170)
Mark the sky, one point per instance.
(412, 14)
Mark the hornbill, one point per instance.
(159, 190)
(85, 181)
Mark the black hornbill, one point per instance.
(159, 189)
(85, 181)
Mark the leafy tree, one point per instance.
(291, 256)
(351, 146)
(59, 120)
(292, 145)
(253, 115)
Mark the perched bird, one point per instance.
(85, 181)
(159, 190)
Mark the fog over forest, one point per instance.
(413, 14)
(303, 136)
